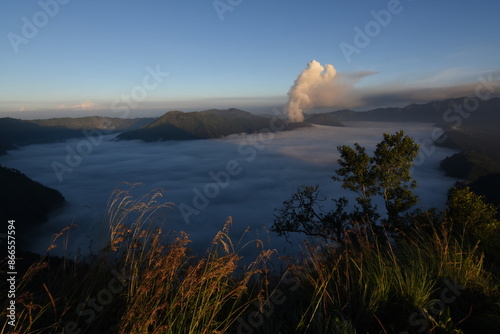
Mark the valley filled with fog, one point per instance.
(242, 176)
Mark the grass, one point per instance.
(430, 279)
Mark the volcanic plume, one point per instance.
(320, 86)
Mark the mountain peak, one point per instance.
(212, 123)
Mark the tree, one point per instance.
(358, 175)
(386, 174)
(303, 213)
(469, 212)
(393, 161)
(475, 220)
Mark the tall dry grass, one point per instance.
(369, 285)
(165, 288)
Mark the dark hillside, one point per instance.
(27, 202)
(95, 122)
(178, 125)
(15, 132)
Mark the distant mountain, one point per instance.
(95, 122)
(324, 119)
(16, 132)
(213, 123)
(470, 164)
(477, 135)
(27, 202)
(440, 112)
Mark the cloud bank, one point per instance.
(272, 168)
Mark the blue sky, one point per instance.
(88, 54)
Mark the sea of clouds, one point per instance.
(266, 170)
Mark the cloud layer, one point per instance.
(271, 167)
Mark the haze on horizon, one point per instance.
(69, 58)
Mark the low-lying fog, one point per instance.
(264, 171)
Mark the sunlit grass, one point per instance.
(146, 280)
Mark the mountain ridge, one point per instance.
(206, 124)
(441, 112)
(95, 122)
(15, 133)
(215, 123)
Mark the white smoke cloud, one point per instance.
(302, 92)
(321, 86)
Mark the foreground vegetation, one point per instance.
(406, 272)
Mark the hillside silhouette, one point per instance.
(213, 123)
(28, 202)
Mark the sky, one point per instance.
(75, 57)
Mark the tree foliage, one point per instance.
(304, 213)
(386, 174)
(469, 212)
(393, 161)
